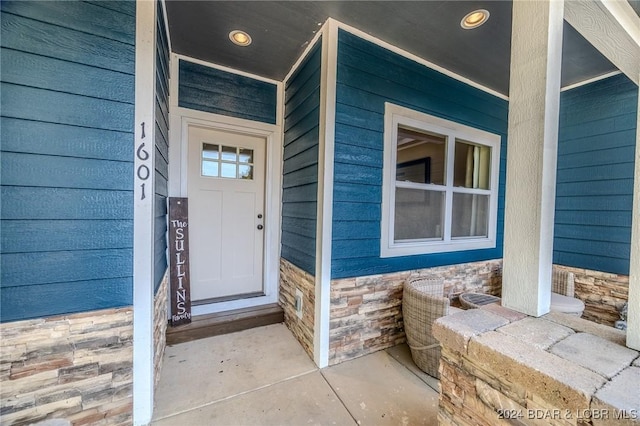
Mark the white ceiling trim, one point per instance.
(590, 80)
(226, 69)
(418, 59)
(306, 51)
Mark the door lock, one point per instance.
(260, 227)
(260, 216)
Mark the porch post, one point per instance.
(143, 238)
(329, 69)
(633, 319)
(534, 103)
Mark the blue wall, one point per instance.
(596, 150)
(162, 149)
(212, 90)
(67, 78)
(300, 180)
(369, 76)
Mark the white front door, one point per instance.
(226, 174)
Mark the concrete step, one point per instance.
(203, 326)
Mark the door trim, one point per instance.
(181, 119)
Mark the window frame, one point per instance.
(395, 116)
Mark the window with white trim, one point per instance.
(440, 185)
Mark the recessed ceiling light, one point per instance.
(240, 38)
(474, 19)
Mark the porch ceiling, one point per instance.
(428, 29)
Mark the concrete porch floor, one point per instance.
(262, 376)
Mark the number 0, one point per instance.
(143, 172)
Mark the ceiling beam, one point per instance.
(612, 27)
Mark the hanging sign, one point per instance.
(179, 261)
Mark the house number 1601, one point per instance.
(143, 171)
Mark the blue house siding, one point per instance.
(369, 76)
(594, 196)
(300, 179)
(162, 149)
(67, 108)
(212, 90)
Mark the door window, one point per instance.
(228, 162)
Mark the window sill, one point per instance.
(414, 249)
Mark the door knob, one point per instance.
(260, 227)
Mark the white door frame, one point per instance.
(181, 119)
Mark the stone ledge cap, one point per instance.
(564, 384)
(455, 331)
(507, 313)
(621, 398)
(539, 333)
(595, 353)
(614, 335)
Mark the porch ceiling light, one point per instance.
(240, 38)
(474, 19)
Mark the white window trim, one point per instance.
(396, 115)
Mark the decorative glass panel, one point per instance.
(418, 214)
(470, 215)
(210, 168)
(472, 165)
(245, 171)
(228, 170)
(210, 151)
(229, 153)
(420, 157)
(246, 155)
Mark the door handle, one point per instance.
(260, 227)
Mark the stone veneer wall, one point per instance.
(292, 278)
(160, 322)
(603, 294)
(501, 367)
(76, 367)
(366, 312)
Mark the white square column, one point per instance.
(534, 103)
(633, 319)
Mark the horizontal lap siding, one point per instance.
(67, 77)
(369, 76)
(594, 196)
(212, 90)
(162, 149)
(300, 169)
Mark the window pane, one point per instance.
(470, 215)
(210, 151)
(210, 168)
(418, 214)
(245, 172)
(420, 157)
(229, 153)
(472, 165)
(228, 170)
(246, 155)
